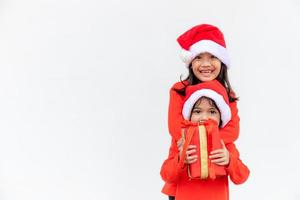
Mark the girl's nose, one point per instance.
(206, 62)
(203, 117)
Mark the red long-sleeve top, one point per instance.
(178, 183)
(229, 134)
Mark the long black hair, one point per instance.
(222, 78)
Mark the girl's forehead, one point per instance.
(204, 100)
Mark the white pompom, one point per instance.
(186, 56)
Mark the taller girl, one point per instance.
(206, 57)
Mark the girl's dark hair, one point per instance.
(222, 78)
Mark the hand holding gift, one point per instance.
(199, 140)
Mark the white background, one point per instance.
(84, 94)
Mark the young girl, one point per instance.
(205, 103)
(205, 55)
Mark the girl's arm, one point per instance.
(230, 132)
(175, 111)
(237, 171)
(170, 168)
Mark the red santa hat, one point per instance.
(211, 89)
(200, 39)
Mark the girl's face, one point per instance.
(206, 67)
(205, 109)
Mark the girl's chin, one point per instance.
(206, 78)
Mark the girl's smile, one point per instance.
(206, 67)
(206, 72)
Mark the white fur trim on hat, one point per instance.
(186, 56)
(207, 46)
(219, 100)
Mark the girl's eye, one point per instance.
(214, 58)
(196, 111)
(198, 57)
(213, 112)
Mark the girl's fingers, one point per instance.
(179, 142)
(217, 151)
(219, 155)
(189, 152)
(219, 160)
(192, 157)
(180, 146)
(192, 161)
(192, 147)
(222, 163)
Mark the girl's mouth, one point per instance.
(206, 72)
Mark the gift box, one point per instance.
(206, 137)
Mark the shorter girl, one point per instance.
(205, 103)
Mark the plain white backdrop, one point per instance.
(84, 94)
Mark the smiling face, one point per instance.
(206, 67)
(205, 109)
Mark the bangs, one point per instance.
(211, 102)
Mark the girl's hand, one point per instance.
(220, 156)
(190, 158)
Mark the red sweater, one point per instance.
(229, 133)
(179, 185)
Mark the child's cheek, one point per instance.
(195, 118)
